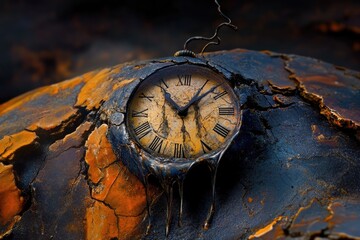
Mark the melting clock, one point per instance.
(178, 117)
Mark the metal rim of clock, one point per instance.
(213, 40)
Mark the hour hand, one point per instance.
(169, 100)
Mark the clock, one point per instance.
(183, 112)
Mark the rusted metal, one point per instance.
(291, 172)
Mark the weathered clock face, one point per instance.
(183, 112)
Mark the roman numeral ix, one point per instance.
(142, 113)
(142, 95)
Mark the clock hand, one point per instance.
(183, 111)
(168, 99)
(196, 94)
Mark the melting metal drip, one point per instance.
(213, 40)
(181, 194)
(148, 204)
(177, 176)
(213, 170)
(169, 172)
(169, 196)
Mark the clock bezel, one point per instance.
(202, 70)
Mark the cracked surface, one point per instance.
(96, 90)
(336, 219)
(292, 172)
(11, 201)
(121, 195)
(336, 93)
(12, 143)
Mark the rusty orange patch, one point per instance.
(114, 183)
(50, 119)
(71, 138)
(107, 177)
(321, 138)
(127, 194)
(333, 90)
(29, 96)
(128, 227)
(11, 201)
(101, 222)
(88, 96)
(265, 229)
(10, 144)
(99, 153)
(122, 193)
(99, 88)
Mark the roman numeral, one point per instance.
(163, 82)
(142, 113)
(142, 130)
(222, 131)
(204, 84)
(219, 95)
(178, 151)
(226, 111)
(184, 80)
(142, 95)
(156, 144)
(206, 148)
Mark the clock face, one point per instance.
(183, 112)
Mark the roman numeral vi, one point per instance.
(179, 151)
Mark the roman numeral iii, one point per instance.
(222, 131)
(226, 111)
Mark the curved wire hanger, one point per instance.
(213, 40)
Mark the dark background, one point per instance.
(43, 41)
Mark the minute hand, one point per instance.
(196, 99)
